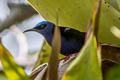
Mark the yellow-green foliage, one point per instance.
(11, 69)
(76, 14)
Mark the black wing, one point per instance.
(69, 33)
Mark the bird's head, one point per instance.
(44, 28)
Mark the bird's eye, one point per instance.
(42, 26)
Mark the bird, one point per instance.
(71, 40)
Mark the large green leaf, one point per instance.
(86, 65)
(114, 3)
(76, 13)
(118, 1)
(11, 69)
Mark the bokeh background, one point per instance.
(17, 16)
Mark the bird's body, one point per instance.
(71, 40)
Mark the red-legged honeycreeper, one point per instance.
(71, 40)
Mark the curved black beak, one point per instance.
(30, 30)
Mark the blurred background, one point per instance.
(17, 16)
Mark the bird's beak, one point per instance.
(30, 30)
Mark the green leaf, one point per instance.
(114, 4)
(114, 73)
(118, 1)
(86, 65)
(76, 13)
(43, 54)
(116, 32)
(11, 69)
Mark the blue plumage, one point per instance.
(71, 40)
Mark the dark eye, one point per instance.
(42, 26)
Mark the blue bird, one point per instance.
(71, 40)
